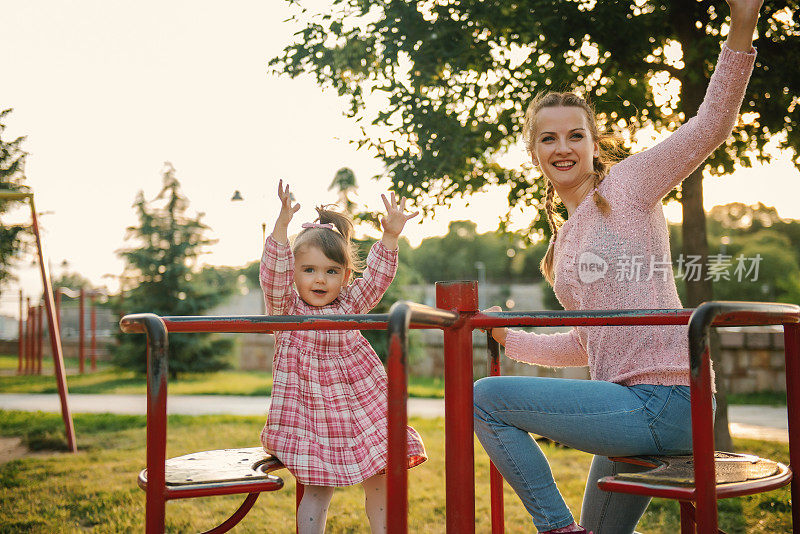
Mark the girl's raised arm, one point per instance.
(280, 232)
(394, 221)
(277, 263)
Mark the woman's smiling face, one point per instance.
(563, 147)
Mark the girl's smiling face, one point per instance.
(318, 279)
(563, 147)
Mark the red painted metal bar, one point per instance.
(39, 336)
(55, 338)
(401, 316)
(82, 332)
(93, 327)
(28, 340)
(495, 478)
(21, 336)
(791, 343)
(700, 383)
(397, 416)
(461, 297)
(157, 371)
(299, 490)
(244, 324)
(687, 517)
(237, 516)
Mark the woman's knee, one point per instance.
(484, 391)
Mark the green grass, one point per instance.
(773, 398)
(95, 490)
(110, 380)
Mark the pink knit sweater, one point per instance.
(622, 261)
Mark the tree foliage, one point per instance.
(756, 238)
(12, 178)
(162, 278)
(440, 87)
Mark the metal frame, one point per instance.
(457, 315)
(55, 336)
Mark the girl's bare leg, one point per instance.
(313, 510)
(375, 502)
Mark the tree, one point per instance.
(460, 253)
(344, 182)
(455, 78)
(162, 268)
(12, 176)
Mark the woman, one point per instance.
(611, 253)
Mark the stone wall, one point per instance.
(752, 359)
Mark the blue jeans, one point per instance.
(601, 418)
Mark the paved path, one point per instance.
(746, 421)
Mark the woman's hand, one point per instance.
(394, 221)
(499, 334)
(744, 15)
(279, 233)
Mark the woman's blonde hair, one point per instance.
(337, 245)
(608, 154)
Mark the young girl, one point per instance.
(327, 422)
(611, 253)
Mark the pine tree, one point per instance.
(12, 175)
(162, 270)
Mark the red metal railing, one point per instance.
(157, 329)
(457, 315)
(458, 297)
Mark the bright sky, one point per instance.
(106, 91)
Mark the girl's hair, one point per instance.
(609, 153)
(336, 244)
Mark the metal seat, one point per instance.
(735, 473)
(221, 472)
(673, 477)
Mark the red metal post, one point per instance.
(39, 335)
(703, 452)
(299, 489)
(687, 517)
(791, 339)
(93, 346)
(81, 331)
(495, 478)
(397, 420)
(21, 337)
(29, 338)
(461, 297)
(55, 338)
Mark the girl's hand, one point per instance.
(395, 220)
(499, 334)
(279, 233)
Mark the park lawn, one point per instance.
(95, 490)
(111, 380)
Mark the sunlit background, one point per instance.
(107, 91)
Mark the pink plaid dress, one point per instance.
(327, 422)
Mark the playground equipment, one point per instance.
(55, 337)
(457, 315)
(31, 331)
(81, 295)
